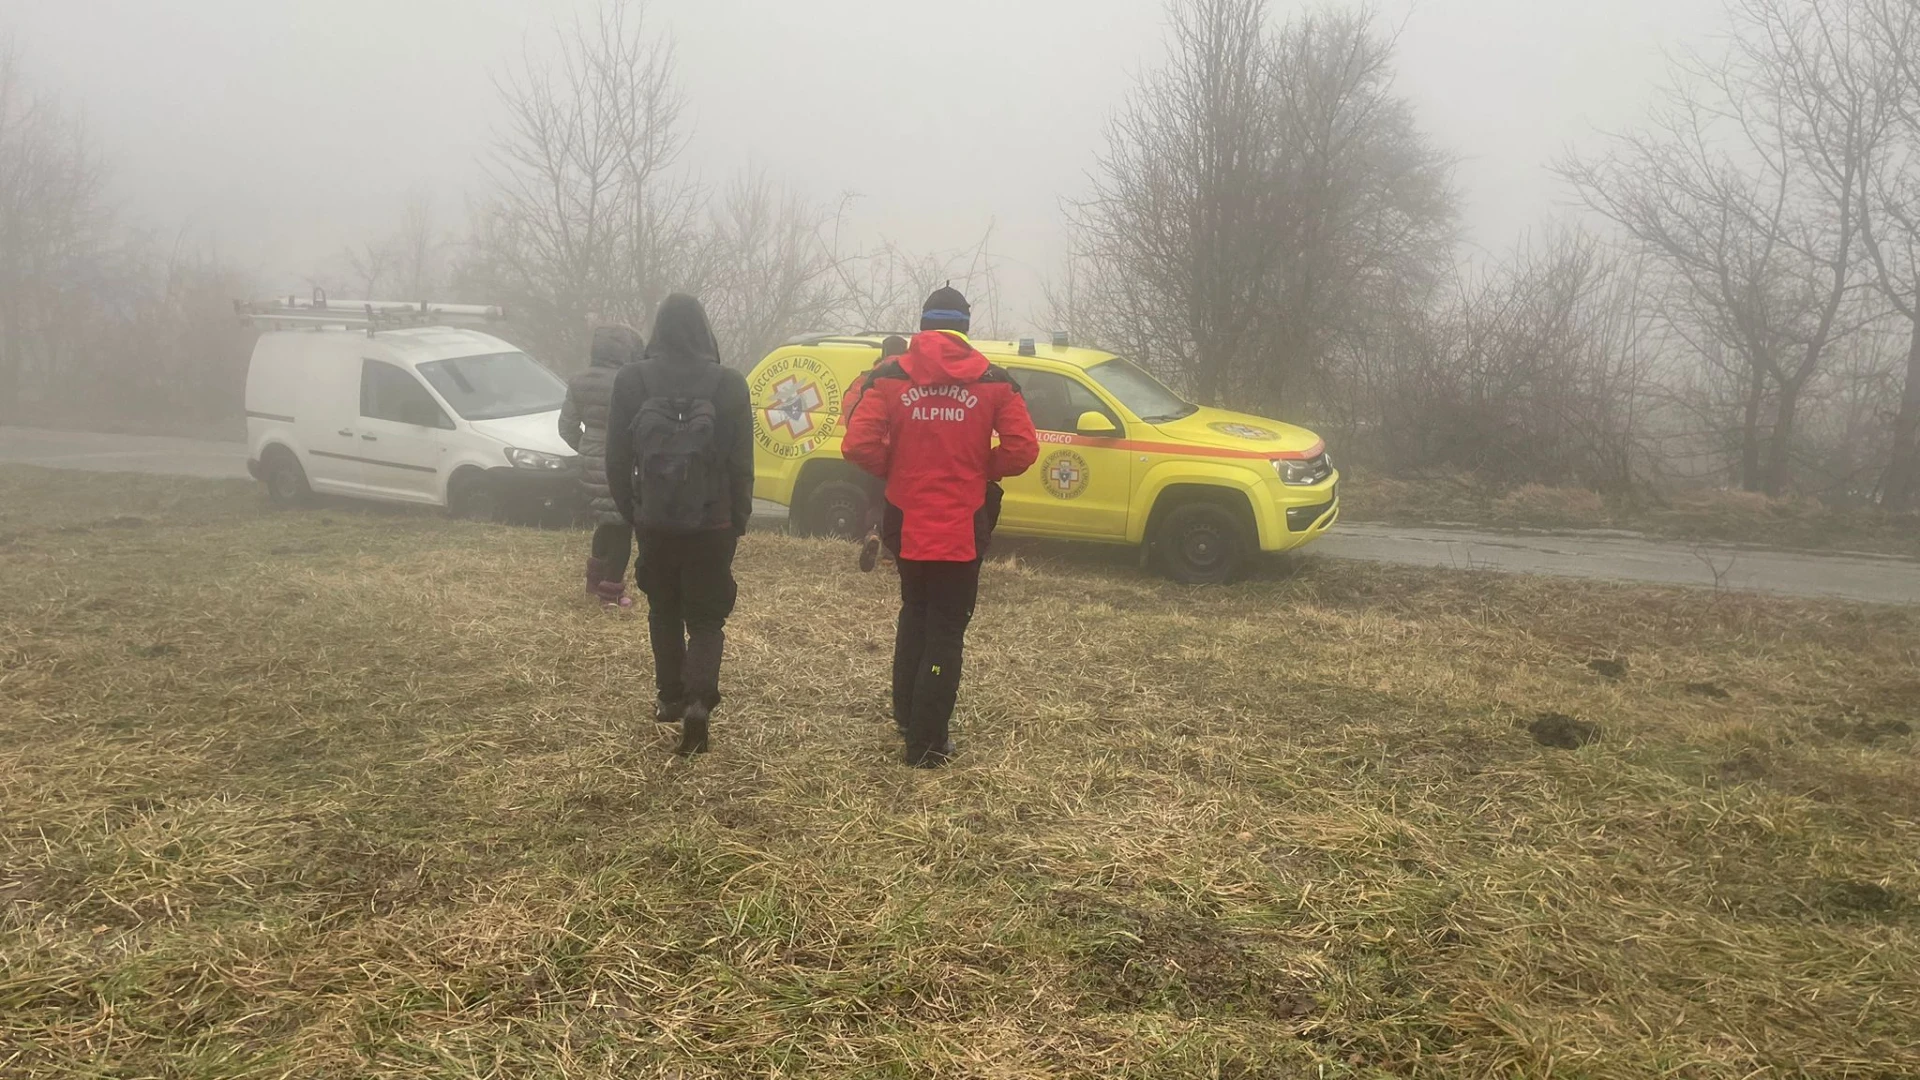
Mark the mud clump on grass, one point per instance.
(1563, 732)
(1190, 966)
(1745, 767)
(1865, 730)
(1858, 898)
(1608, 668)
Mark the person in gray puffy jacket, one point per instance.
(583, 424)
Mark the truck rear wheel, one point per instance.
(836, 508)
(1201, 543)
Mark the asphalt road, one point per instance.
(1605, 557)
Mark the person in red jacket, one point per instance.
(926, 425)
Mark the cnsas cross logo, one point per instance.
(793, 406)
(797, 406)
(1064, 474)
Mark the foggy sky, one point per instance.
(283, 131)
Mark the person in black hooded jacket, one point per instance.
(687, 576)
(583, 424)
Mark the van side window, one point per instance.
(1056, 401)
(391, 393)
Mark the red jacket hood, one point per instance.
(936, 356)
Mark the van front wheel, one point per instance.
(471, 496)
(837, 508)
(1201, 543)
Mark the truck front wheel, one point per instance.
(836, 508)
(1201, 543)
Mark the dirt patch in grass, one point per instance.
(370, 794)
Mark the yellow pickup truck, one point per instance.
(1123, 460)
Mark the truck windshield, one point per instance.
(1147, 397)
(495, 385)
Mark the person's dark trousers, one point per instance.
(688, 580)
(936, 604)
(613, 546)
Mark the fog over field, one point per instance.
(286, 131)
(1624, 248)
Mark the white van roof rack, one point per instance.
(373, 315)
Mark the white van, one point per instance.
(378, 407)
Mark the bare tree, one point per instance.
(1261, 197)
(420, 249)
(53, 231)
(1181, 235)
(1745, 189)
(369, 267)
(411, 263)
(774, 273)
(584, 217)
(1890, 196)
(881, 288)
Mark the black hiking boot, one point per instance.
(693, 731)
(935, 757)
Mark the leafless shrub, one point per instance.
(1534, 370)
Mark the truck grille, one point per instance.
(1318, 468)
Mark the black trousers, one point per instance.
(613, 546)
(936, 605)
(688, 579)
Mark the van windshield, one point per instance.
(1147, 396)
(495, 385)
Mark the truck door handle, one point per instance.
(345, 433)
(371, 438)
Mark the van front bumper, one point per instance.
(539, 491)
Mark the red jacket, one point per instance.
(926, 427)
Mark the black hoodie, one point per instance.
(678, 352)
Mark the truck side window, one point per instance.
(1056, 401)
(390, 393)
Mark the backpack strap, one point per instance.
(997, 374)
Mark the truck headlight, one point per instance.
(534, 459)
(1303, 472)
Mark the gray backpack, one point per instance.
(680, 479)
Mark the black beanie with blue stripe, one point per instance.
(946, 309)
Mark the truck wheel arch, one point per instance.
(1180, 493)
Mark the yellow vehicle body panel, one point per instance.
(1083, 487)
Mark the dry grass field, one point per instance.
(349, 793)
